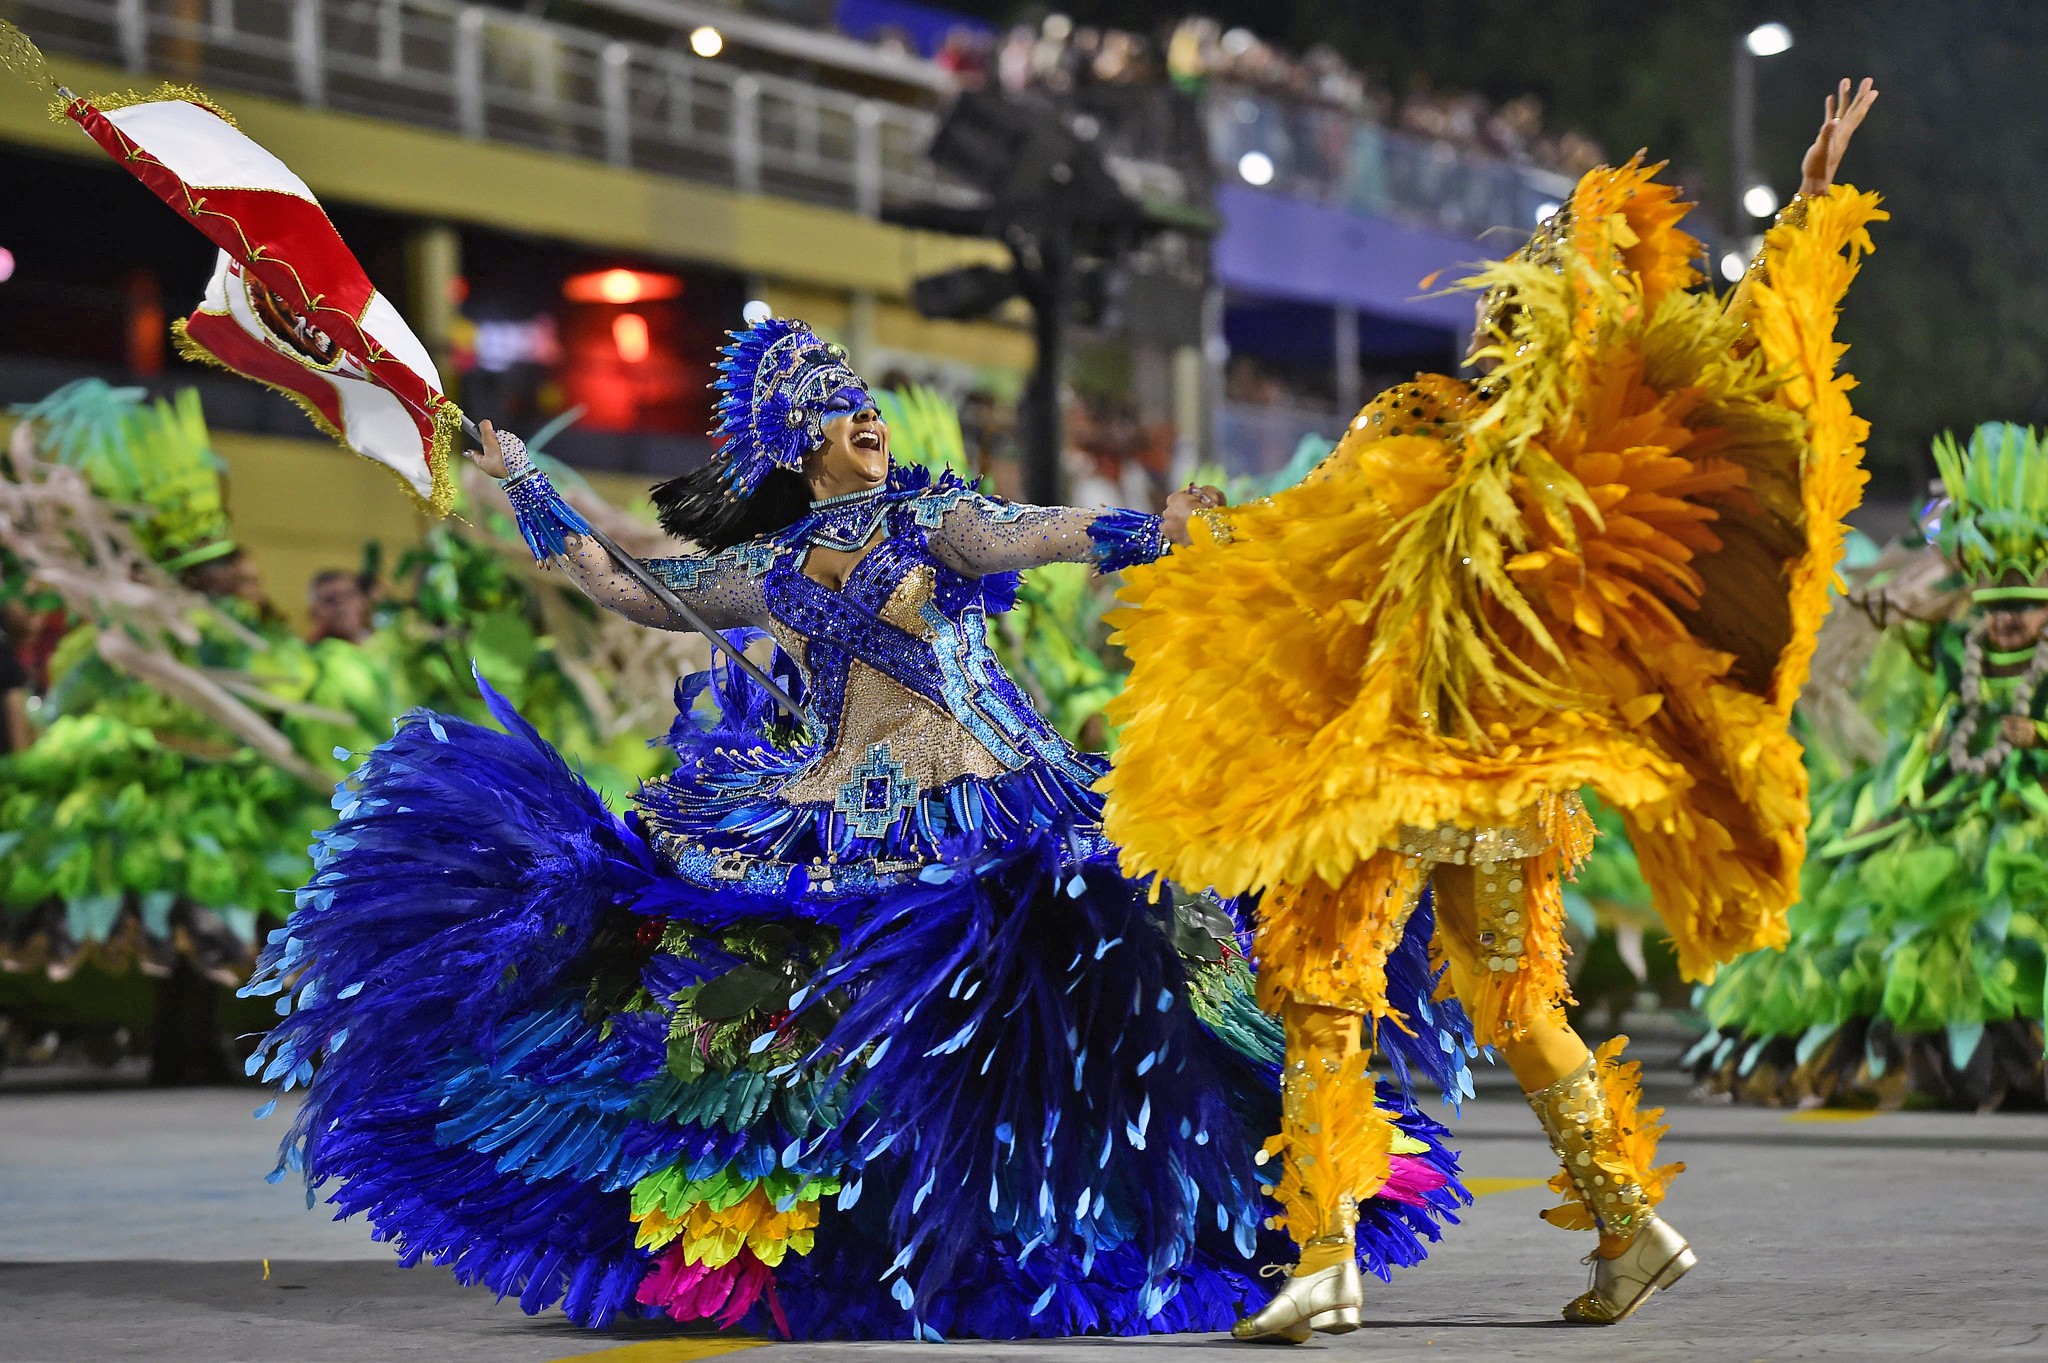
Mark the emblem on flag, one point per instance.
(242, 325)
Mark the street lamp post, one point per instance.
(1765, 40)
(1742, 143)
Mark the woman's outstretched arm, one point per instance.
(718, 587)
(979, 535)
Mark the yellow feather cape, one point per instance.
(1604, 565)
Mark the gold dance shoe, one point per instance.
(1656, 1257)
(1328, 1300)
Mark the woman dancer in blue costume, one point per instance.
(849, 1028)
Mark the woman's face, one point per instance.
(855, 455)
(2012, 630)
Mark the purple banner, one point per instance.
(1287, 248)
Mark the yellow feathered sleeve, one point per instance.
(1600, 567)
(1722, 858)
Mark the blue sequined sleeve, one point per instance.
(722, 589)
(545, 520)
(979, 536)
(1122, 539)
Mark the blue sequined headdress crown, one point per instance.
(775, 381)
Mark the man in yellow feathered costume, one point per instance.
(1603, 564)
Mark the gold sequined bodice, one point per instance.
(931, 746)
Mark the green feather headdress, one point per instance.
(1995, 524)
(153, 456)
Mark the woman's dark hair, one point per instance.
(697, 507)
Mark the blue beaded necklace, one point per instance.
(845, 523)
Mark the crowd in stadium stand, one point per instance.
(1196, 53)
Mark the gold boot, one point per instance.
(1335, 1145)
(1328, 1299)
(1590, 1117)
(1657, 1256)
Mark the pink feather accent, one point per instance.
(688, 1291)
(1410, 1180)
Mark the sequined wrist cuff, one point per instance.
(518, 464)
(545, 520)
(1123, 539)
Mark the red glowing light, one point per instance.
(629, 333)
(621, 286)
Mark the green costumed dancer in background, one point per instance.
(1916, 966)
(161, 806)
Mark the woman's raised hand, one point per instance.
(1844, 114)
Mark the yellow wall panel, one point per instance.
(831, 313)
(991, 345)
(303, 505)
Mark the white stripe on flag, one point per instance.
(380, 427)
(382, 324)
(203, 150)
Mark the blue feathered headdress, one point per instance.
(775, 378)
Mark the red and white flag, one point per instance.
(288, 305)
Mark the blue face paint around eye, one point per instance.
(848, 400)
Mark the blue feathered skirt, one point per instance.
(1011, 1097)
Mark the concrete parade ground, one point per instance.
(136, 1225)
